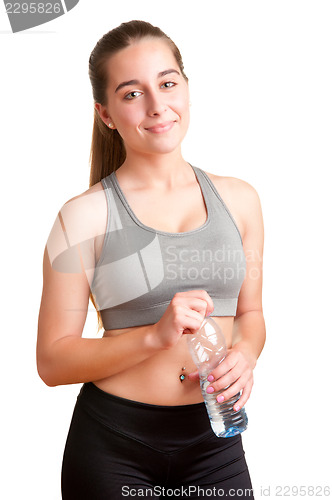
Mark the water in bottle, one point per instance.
(208, 348)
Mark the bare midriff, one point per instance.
(156, 380)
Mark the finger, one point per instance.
(223, 382)
(193, 375)
(233, 389)
(224, 367)
(244, 396)
(203, 300)
(209, 306)
(191, 323)
(197, 307)
(192, 313)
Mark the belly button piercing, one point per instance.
(182, 376)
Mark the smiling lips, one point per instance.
(161, 127)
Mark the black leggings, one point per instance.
(118, 448)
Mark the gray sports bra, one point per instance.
(141, 268)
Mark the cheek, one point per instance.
(129, 116)
(128, 120)
(181, 105)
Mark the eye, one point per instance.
(169, 85)
(132, 95)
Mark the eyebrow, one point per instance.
(136, 82)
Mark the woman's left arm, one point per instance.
(249, 325)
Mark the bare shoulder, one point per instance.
(240, 197)
(232, 186)
(78, 223)
(87, 210)
(86, 195)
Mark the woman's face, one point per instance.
(148, 98)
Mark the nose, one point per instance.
(155, 105)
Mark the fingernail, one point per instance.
(210, 389)
(220, 399)
(237, 407)
(210, 378)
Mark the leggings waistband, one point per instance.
(169, 426)
(94, 391)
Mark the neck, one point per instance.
(162, 171)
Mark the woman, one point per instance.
(156, 244)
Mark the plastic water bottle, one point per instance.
(208, 348)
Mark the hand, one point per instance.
(183, 315)
(235, 370)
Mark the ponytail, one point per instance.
(107, 151)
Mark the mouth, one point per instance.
(161, 128)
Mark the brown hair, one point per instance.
(107, 151)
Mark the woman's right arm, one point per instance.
(64, 357)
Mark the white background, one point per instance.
(260, 79)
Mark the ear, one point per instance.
(104, 115)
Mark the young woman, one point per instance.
(156, 244)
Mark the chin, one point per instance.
(166, 146)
